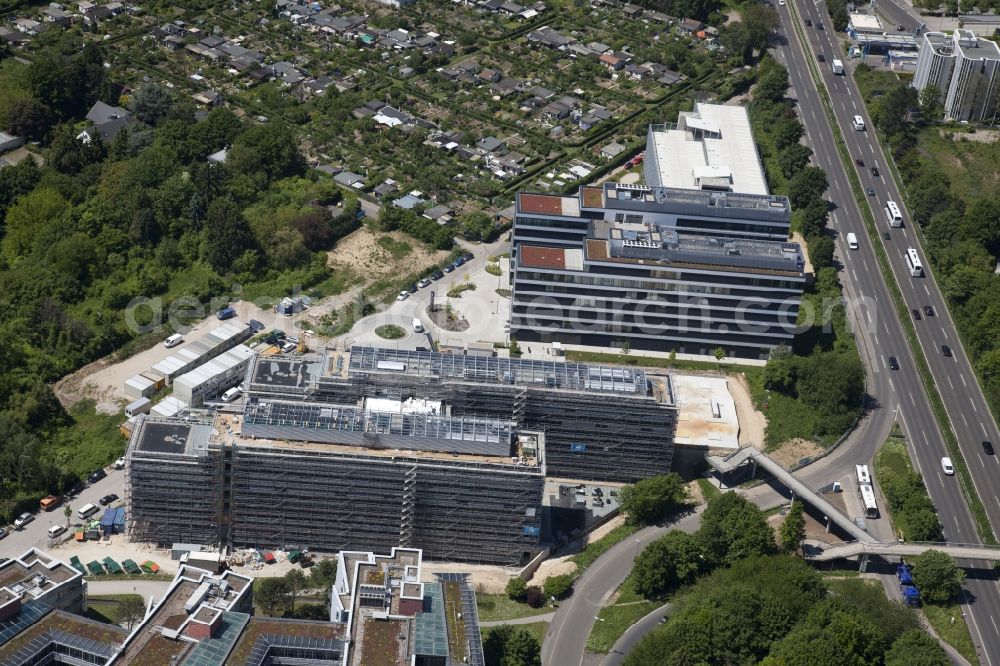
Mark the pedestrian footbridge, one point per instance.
(822, 552)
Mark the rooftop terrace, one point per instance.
(765, 207)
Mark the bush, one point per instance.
(516, 589)
(650, 500)
(937, 577)
(558, 586)
(534, 596)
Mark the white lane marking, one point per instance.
(962, 377)
(985, 434)
(854, 104)
(926, 289)
(912, 401)
(945, 331)
(966, 420)
(994, 625)
(974, 408)
(949, 383)
(869, 316)
(884, 365)
(854, 273)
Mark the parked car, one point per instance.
(916, 314)
(23, 520)
(424, 283)
(108, 499)
(227, 312)
(929, 311)
(449, 268)
(988, 447)
(412, 288)
(437, 275)
(893, 363)
(458, 262)
(292, 338)
(256, 326)
(946, 350)
(875, 171)
(467, 257)
(56, 530)
(403, 295)
(871, 191)
(120, 463)
(76, 489)
(946, 465)
(860, 162)
(97, 475)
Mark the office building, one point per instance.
(377, 448)
(696, 260)
(965, 69)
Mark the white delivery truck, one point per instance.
(837, 66)
(852, 241)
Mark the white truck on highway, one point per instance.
(837, 66)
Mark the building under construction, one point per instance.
(375, 448)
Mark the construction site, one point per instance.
(374, 448)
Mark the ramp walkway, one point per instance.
(750, 454)
(821, 552)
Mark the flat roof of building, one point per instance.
(215, 367)
(975, 47)
(76, 632)
(866, 22)
(287, 372)
(548, 204)
(639, 198)
(172, 437)
(264, 633)
(542, 257)
(714, 141)
(495, 370)
(706, 412)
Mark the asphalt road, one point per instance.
(634, 634)
(970, 416)
(565, 641)
(894, 13)
(34, 534)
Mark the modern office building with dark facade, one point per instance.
(690, 265)
(381, 447)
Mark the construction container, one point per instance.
(138, 386)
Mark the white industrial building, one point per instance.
(965, 69)
(710, 148)
(214, 377)
(215, 342)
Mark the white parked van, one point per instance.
(418, 326)
(173, 340)
(852, 241)
(232, 394)
(86, 511)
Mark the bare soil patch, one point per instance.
(980, 136)
(791, 452)
(448, 319)
(752, 422)
(361, 253)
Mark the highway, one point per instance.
(884, 336)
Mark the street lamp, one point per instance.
(637, 543)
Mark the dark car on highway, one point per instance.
(875, 171)
(871, 191)
(946, 350)
(893, 363)
(916, 314)
(929, 311)
(108, 499)
(860, 162)
(819, 26)
(820, 57)
(97, 475)
(808, 23)
(988, 447)
(885, 235)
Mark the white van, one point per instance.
(852, 241)
(86, 511)
(173, 340)
(858, 123)
(946, 465)
(56, 530)
(418, 326)
(232, 394)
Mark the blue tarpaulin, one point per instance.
(119, 520)
(108, 521)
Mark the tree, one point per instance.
(29, 118)
(719, 354)
(931, 107)
(323, 574)
(296, 583)
(534, 597)
(521, 649)
(666, 564)
(31, 214)
(793, 158)
(476, 226)
(68, 512)
(891, 109)
(773, 82)
(937, 577)
(516, 588)
(650, 500)
(558, 586)
(131, 609)
(821, 252)
(808, 183)
(793, 529)
(732, 529)
(269, 149)
(916, 648)
(16, 181)
(151, 103)
(272, 595)
(227, 235)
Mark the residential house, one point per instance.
(612, 150)
(690, 26)
(107, 121)
(555, 111)
(386, 187)
(491, 145)
(57, 15)
(505, 87)
(97, 14)
(410, 201)
(541, 92)
(9, 142)
(631, 11)
(489, 75)
(659, 17)
(387, 116)
(350, 179)
(207, 98)
(612, 62)
(219, 157)
(578, 50)
(491, 5)
(511, 8)
(212, 41)
(599, 48)
(513, 162)
(440, 214)
(27, 26)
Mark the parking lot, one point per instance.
(486, 311)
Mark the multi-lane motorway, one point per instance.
(884, 337)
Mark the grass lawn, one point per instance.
(593, 550)
(536, 629)
(390, 332)
(93, 440)
(398, 249)
(614, 621)
(107, 608)
(708, 489)
(956, 632)
(493, 607)
(892, 465)
(457, 642)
